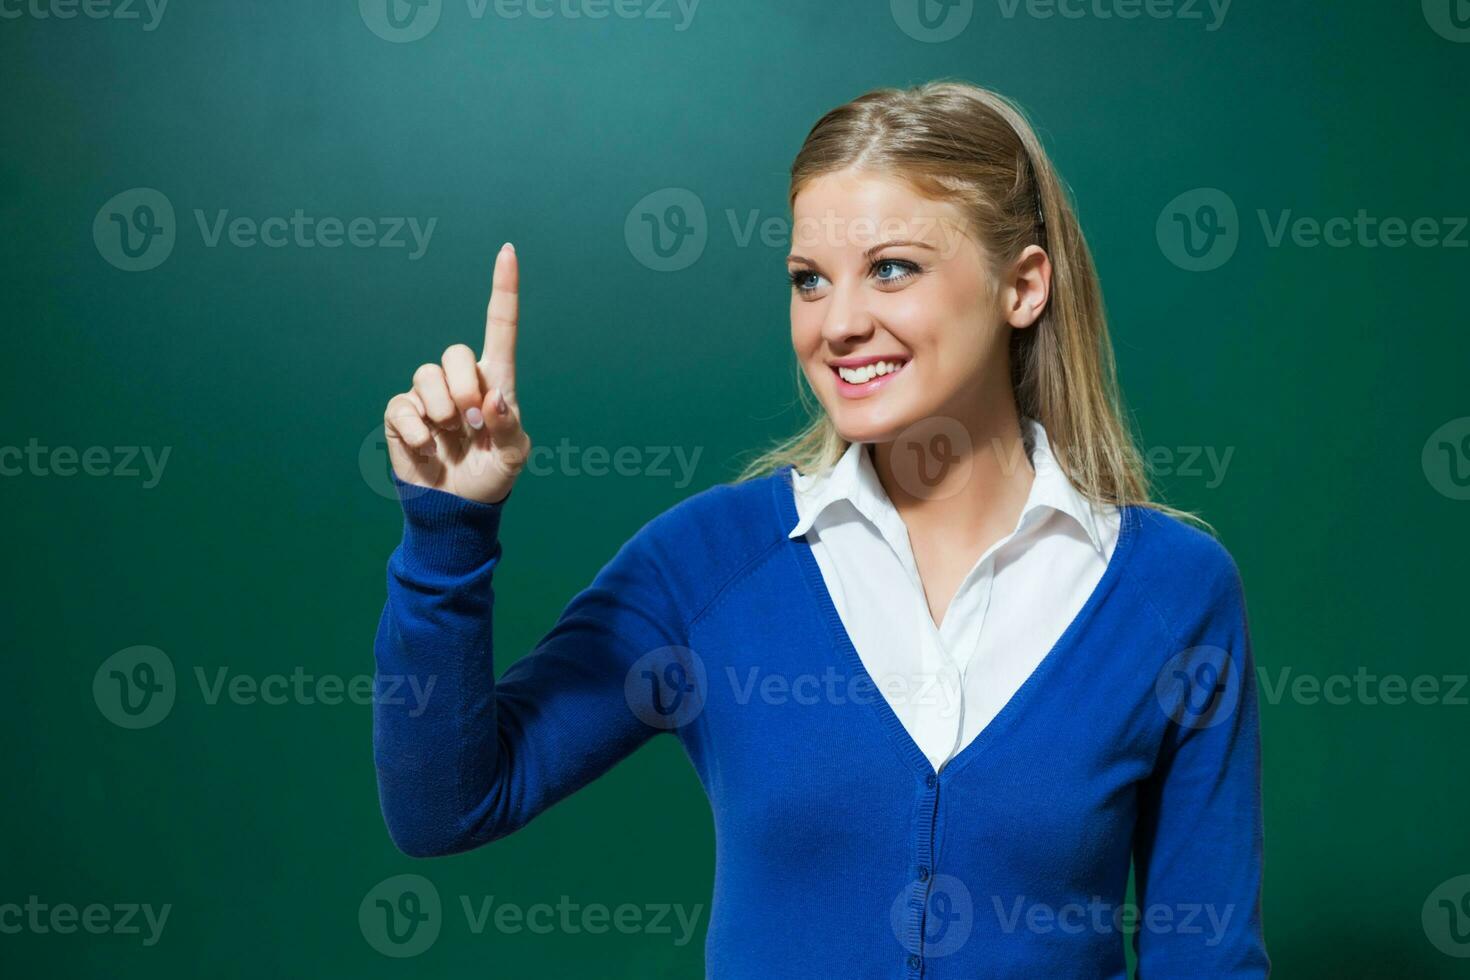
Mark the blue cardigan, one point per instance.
(840, 852)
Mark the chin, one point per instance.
(868, 423)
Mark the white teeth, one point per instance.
(866, 373)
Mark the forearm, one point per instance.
(475, 759)
(437, 753)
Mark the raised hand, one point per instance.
(458, 429)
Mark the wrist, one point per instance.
(446, 530)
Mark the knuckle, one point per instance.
(458, 352)
(427, 373)
(399, 407)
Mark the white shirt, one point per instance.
(947, 682)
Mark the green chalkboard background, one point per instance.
(1327, 380)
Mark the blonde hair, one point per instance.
(957, 142)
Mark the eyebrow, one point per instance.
(870, 253)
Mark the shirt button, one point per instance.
(913, 961)
(931, 780)
(923, 872)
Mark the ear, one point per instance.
(1027, 287)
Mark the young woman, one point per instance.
(944, 671)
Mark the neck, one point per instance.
(963, 477)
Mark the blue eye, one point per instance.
(885, 271)
(903, 269)
(801, 280)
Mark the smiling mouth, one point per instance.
(859, 381)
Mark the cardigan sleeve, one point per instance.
(462, 759)
(1198, 844)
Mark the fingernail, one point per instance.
(507, 247)
(500, 405)
(475, 418)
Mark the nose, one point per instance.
(848, 320)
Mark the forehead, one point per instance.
(860, 209)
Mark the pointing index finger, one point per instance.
(501, 318)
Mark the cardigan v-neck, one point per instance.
(840, 852)
(848, 650)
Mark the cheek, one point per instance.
(919, 319)
(806, 328)
(949, 316)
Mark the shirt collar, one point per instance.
(1051, 488)
(853, 479)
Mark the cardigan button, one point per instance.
(923, 872)
(914, 961)
(931, 780)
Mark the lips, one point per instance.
(866, 375)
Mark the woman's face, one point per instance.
(882, 274)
